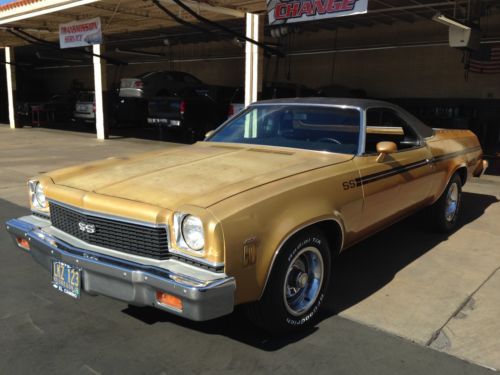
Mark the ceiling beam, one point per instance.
(390, 7)
(196, 5)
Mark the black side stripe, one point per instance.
(408, 167)
(454, 154)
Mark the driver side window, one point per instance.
(386, 125)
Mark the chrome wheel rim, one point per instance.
(451, 207)
(303, 281)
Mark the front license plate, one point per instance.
(66, 279)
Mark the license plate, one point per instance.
(66, 279)
(82, 108)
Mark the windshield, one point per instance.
(333, 129)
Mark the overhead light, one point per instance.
(138, 53)
(441, 18)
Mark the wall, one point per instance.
(436, 71)
(409, 72)
(397, 72)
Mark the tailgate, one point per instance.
(128, 83)
(165, 107)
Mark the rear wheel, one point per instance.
(297, 285)
(445, 212)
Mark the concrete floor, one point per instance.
(434, 291)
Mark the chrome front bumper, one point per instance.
(203, 298)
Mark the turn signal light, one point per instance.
(169, 300)
(23, 243)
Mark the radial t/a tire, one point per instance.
(445, 212)
(297, 285)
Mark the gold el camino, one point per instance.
(254, 215)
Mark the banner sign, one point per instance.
(290, 11)
(80, 33)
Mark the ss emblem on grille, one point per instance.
(87, 228)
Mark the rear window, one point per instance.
(86, 97)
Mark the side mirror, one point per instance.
(384, 149)
(209, 133)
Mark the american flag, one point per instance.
(485, 60)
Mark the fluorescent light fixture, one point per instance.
(441, 18)
(138, 53)
(39, 9)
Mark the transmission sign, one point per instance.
(291, 11)
(80, 33)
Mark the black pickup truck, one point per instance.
(187, 113)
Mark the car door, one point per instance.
(400, 181)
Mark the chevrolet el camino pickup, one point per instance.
(254, 215)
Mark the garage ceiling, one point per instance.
(135, 17)
(137, 25)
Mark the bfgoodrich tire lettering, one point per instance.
(297, 286)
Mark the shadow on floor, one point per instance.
(370, 265)
(357, 274)
(131, 131)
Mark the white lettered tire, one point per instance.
(297, 286)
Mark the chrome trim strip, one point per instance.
(362, 133)
(40, 214)
(180, 254)
(107, 216)
(282, 243)
(262, 104)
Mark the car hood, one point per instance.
(202, 174)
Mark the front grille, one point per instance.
(114, 234)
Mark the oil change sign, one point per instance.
(80, 33)
(290, 11)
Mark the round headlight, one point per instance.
(39, 196)
(192, 232)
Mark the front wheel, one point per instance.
(297, 285)
(445, 212)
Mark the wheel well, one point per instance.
(329, 227)
(333, 232)
(462, 173)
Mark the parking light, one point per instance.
(23, 243)
(169, 300)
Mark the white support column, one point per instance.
(11, 84)
(253, 69)
(101, 93)
(253, 59)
